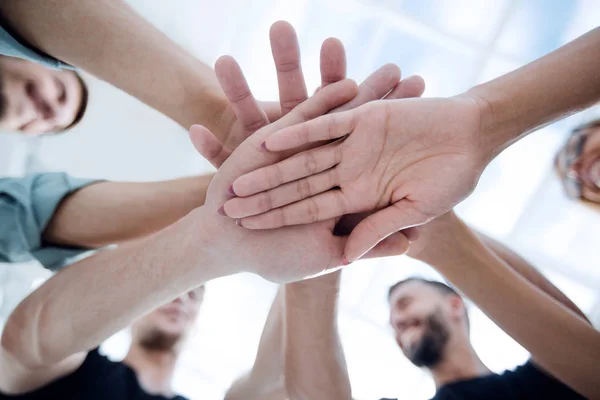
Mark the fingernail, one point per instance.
(221, 211)
(264, 145)
(345, 261)
(230, 191)
(238, 222)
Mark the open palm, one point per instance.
(411, 160)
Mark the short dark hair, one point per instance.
(441, 286)
(82, 105)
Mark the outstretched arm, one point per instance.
(315, 366)
(111, 41)
(412, 160)
(265, 381)
(110, 212)
(529, 272)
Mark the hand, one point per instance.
(410, 160)
(309, 249)
(244, 115)
(285, 254)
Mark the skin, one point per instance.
(530, 304)
(418, 157)
(411, 305)
(199, 247)
(35, 99)
(586, 167)
(159, 338)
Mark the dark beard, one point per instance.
(159, 341)
(429, 350)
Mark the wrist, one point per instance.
(499, 124)
(447, 240)
(208, 107)
(195, 241)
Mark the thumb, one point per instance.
(207, 144)
(376, 227)
(394, 245)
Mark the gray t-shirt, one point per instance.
(13, 47)
(26, 207)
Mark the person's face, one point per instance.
(34, 99)
(166, 326)
(422, 319)
(578, 165)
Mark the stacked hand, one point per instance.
(410, 160)
(296, 252)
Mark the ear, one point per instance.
(457, 308)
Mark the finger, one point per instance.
(208, 145)
(301, 165)
(324, 101)
(321, 207)
(286, 53)
(413, 86)
(380, 225)
(394, 245)
(234, 84)
(327, 127)
(377, 85)
(412, 234)
(333, 62)
(289, 193)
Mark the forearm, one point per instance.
(85, 303)
(561, 83)
(111, 41)
(527, 271)
(111, 212)
(265, 380)
(559, 340)
(315, 367)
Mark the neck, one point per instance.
(459, 362)
(154, 369)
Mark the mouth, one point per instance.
(174, 312)
(410, 333)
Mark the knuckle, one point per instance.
(340, 202)
(303, 188)
(310, 163)
(291, 103)
(265, 202)
(275, 176)
(312, 210)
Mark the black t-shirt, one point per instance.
(526, 382)
(97, 378)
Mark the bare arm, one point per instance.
(49, 333)
(111, 41)
(528, 271)
(300, 355)
(553, 333)
(265, 381)
(562, 83)
(315, 366)
(109, 212)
